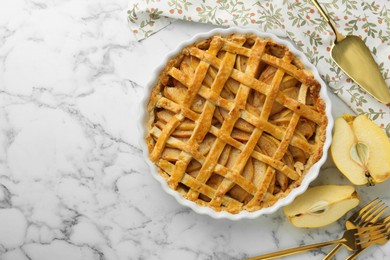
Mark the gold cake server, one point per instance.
(355, 59)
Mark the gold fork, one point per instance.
(386, 222)
(369, 214)
(353, 239)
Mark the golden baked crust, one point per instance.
(235, 122)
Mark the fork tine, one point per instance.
(376, 200)
(372, 208)
(363, 232)
(371, 234)
(368, 229)
(386, 220)
(373, 238)
(357, 215)
(366, 208)
(374, 216)
(379, 234)
(377, 240)
(372, 212)
(371, 204)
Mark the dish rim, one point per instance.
(311, 175)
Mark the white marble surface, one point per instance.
(73, 184)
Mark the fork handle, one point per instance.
(296, 250)
(354, 255)
(333, 252)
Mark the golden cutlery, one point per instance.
(352, 55)
(353, 239)
(386, 222)
(368, 215)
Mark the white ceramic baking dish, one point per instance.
(310, 176)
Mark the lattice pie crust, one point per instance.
(235, 122)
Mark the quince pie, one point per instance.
(235, 122)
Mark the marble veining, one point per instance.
(73, 184)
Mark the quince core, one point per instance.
(361, 150)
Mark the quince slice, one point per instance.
(361, 150)
(321, 205)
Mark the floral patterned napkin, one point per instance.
(297, 20)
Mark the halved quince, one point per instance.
(361, 150)
(321, 205)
